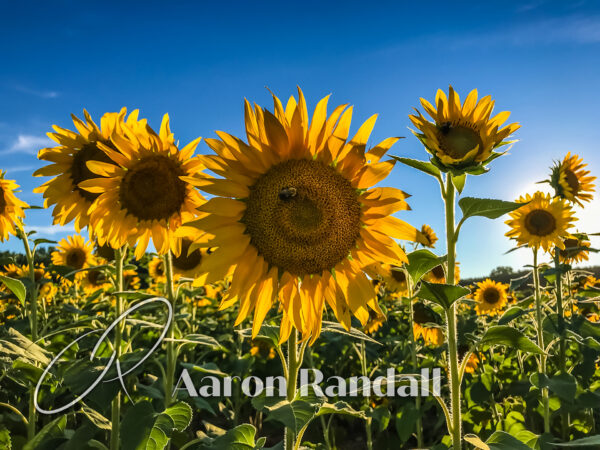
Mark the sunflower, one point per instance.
(74, 252)
(541, 222)
(576, 249)
(438, 274)
(12, 271)
(394, 277)
(295, 217)
(422, 316)
(94, 280)
(473, 362)
(491, 297)
(189, 263)
(461, 136)
(142, 193)
(39, 272)
(262, 349)
(47, 292)
(374, 324)
(131, 280)
(156, 269)
(11, 208)
(571, 181)
(430, 235)
(69, 164)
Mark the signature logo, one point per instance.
(113, 358)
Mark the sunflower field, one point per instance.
(194, 279)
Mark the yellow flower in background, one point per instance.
(491, 297)
(541, 222)
(571, 181)
(394, 277)
(424, 321)
(142, 194)
(189, 263)
(74, 252)
(576, 249)
(430, 235)
(438, 274)
(461, 135)
(11, 208)
(374, 324)
(295, 216)
(12, 271)
(93, 280)
(69, 164)
(473, 362)
(131, 280)
(156, 270)
(262, 349)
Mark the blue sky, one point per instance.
(538, 59)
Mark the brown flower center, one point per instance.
(80, 171)
(422, 314)
(540, 222)
(187, 261)
(106, 252)
(2, 201)
(491, 295)
(303, 216)
(95, 277)
(76, 258)
(458, 140)
(438, 272)
(572, 180)
(152, 190)
(398, 275)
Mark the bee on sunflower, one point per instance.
(11, 208)
(491, 297)
(571, 181)
(140, 192)
(75, 252)
(423, 319)
(541, 221)
(295, 217)
(462, 136)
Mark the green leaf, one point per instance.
(267, 333)
(422, 261)
(96, 418)
(510, 337)
(485, 207)
(334, 327)
(406, 419)
(241, 437)
(43, 241)
(340, 408)
(295, 414)
(423, 166)
(590, 441)
(47, 435)
(144, 429)
(459, 182)
(501, 440)
(16, 287)
(198, 339)
(564, 385)
(476, 442)
(5, 442)
(511, 314)
(516, 283)
(442, 294)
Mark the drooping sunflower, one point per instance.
(576, 249)
(541, 222)
(430, 235)
(12, 271)
(142, 193)
(491, 297)
(295, 217)
(11, 208)
(94, 280)
(424, 319)
(74, 252)
(571, 181)
(438, 274)
(69, 164)
(461, 135)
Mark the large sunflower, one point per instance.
(11, 208)
(142, 193)
(461, 135)
(295, 217)
(69, 164)
(541, 222)
(571, 181)
(491, 297)
(74, 252)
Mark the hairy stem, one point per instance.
(540, 337)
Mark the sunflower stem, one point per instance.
(168, 263)
(116, 403)
(562, 356)
(414, 357)
(292, 376)
(540, 338)
(33, 321)
(451, 335)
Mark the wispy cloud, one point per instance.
(14, 169)
(27, 143)
(41, 94)
(51, 230)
